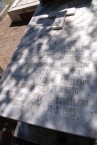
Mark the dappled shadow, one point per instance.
(52, 77)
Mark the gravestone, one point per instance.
(51, 80)
(2, 5)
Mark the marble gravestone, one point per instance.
(51, 80)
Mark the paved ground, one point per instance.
(10, 35)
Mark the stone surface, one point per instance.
(3, 12)
(43, 136)
(21, 6)
(35, 134)
(2, 5)
(70, 11)
(59, 21)
(51, 80)
(52, 14)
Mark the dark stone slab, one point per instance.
(36, 135)
(44, 2)
(42, 136)
(51, 80)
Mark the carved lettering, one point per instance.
(69, 111)
(75, 64)
(71, 102)
(62, 89)
(41, 88)
(75, 82)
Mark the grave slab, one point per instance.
(21, 6)
(51, 80)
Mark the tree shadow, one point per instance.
(59, 91)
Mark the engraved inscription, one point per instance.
(52, 78)
(71, 90)
(33, 105)
(71, 102)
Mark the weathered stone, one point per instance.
(70, 11)
(43, 136)
(52, 14)
(51, 80)
(59, 21)
(2, 5)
